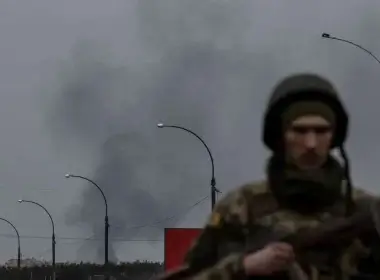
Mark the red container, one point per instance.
(177, 243)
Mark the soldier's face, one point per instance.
(308, 141)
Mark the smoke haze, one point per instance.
(85, 82)
(198, 64)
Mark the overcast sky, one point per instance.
(77, 74)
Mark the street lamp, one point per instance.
(349, 189)
(106, 224)
(328, 36)
(52, 224)
(214, 190)
(18, 241)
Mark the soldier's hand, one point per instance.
(272, 258)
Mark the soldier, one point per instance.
(305, 185)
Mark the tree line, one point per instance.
(87, 271)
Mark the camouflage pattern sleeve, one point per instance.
(204, 256)
(370, 261)
(229, 268)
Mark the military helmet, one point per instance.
(302, 87)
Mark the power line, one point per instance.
(81, 238)
(191, 207)
(146, 225)
(169, 217)
(92, 238)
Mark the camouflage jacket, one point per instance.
(249, 205)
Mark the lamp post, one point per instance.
(328, 36)
(53, 227)
(214, 190)
(106, 224)
(349, 188)
(18, 242)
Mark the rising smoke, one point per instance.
(116, 109)
(190, 58)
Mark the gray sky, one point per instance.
(77, 74)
